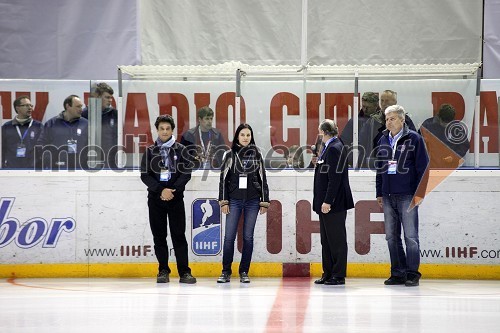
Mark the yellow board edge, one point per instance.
(259, 269)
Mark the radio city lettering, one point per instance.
(32, 232)
(335, 106)
(137, 122)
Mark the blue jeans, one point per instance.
(396, 214)
(250, 209)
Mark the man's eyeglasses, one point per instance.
(26, 105)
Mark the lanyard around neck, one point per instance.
(25, 133)
(394, 142)
(201, 140)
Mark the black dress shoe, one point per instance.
(322, 280)
(335, 281)
(412, 279)
(395, 280)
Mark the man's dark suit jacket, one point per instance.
(331, 181)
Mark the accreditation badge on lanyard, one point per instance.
(165, 175)
(72, 147)
(243, 179)
(393, 164)
(21, 150)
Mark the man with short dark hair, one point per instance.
(165, 170)
(65, 137)
(369, 106)
(450, 133)
(205, 143)
(20, 136)
(109, 123)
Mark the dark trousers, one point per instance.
(159, 211)
(333, 243)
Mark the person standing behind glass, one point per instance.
(65, 138)
(242, 190)
(295, 157)
(109, 123)
(332, 198)
(205, 143)
(19, 136)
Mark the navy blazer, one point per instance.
(331, 180)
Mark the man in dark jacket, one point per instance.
(332, 198)
(109, 123)
(448, 133)
(205, 143)
(20, 136)
(65, 137)
(401, 165)
(165, 171)
(371, 132)
(369, 106)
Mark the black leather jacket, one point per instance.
(247, 160)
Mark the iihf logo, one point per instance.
(206, 233)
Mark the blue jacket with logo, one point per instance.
(11, 140)
(54, 138)
(109, 135)
(412, 162)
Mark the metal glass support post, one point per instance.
(477, 119)
(237, 102)
(95, 158)
(498, 103)
(355, 129)
(119, 106)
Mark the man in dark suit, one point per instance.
(332, 199)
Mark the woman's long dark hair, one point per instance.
(236, 143)
(249, 152)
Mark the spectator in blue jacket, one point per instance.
(109, 123)
(19, 136)
(65, 137)
(401, 165)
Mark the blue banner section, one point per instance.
(206, 233)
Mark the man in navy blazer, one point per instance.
(332, 199)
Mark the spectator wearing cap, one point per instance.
(451, 133)
(369, 106)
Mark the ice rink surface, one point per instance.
(264, 305)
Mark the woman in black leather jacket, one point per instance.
(242, 190)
